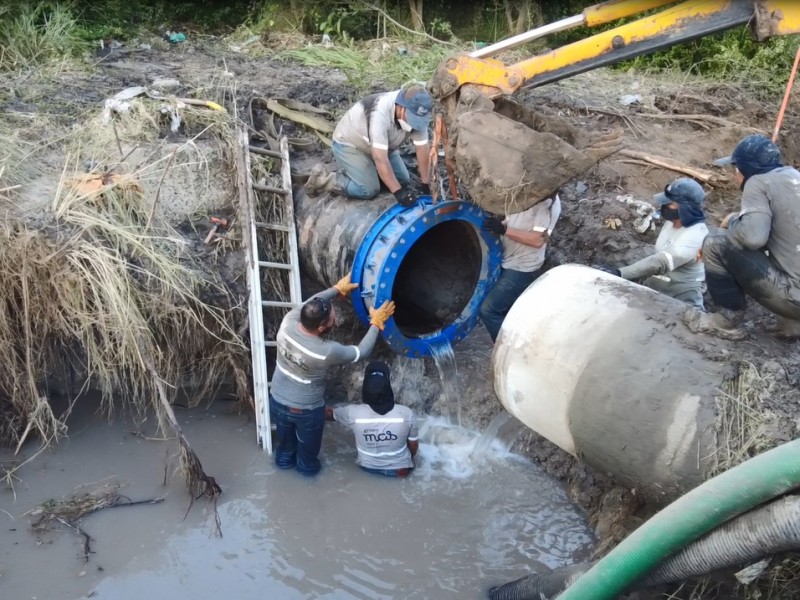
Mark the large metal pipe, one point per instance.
(605, 369)
(433, 260)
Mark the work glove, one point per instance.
(494, 225)
(344, 287)
(405, 196)
(608, 269)
(379, 316)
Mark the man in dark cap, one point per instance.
(675, 269)
(366, 146)
(757, 251)
(386, 433)
(296, 395)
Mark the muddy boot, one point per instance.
(725, 323)
(785, 329)
(321, 180)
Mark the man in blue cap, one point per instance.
(366, 146)
(757, 251)
(675, 269)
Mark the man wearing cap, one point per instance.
(386, 433)
(296, 395)
(525, 235)
(366, 146)
(675, 269)
(757, 251)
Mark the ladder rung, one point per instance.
(271, 344)
(274, 226)
(269, 188)
(277, 304)
(274, 265)
(265, 152)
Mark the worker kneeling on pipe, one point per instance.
(525, 235)
(676, 267)
(756, 252)
(296, 398)
(385, 432)
(366, 145)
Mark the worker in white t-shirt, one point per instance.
(676, 266)
(525, 235)
(385, 432)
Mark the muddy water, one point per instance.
(460, 523)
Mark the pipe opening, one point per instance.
(437, 278)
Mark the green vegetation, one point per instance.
(37, 34)
(50, 31)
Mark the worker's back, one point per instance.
(781, 190)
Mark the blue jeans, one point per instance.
(299, 436)
(358, 176)
(403, 473)
(502, 296)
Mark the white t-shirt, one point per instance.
(381, 440)
(539, 217)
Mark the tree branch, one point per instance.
(384, 14)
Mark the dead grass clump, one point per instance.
(118, 295)
(742, 419)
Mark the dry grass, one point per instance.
(742, 420)
(100, 282)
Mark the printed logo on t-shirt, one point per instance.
(386, 436)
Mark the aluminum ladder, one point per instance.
(269, 229)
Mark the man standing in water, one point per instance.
(386, 433)
(296, 399)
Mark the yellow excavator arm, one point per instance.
(507, 156)
(677, 24)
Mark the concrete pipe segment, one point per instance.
(605, 369)
(433, 260)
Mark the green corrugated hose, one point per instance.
(706, 507)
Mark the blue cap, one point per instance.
(418, 104)
(682, 191)
(757, 150)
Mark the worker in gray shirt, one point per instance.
(296, 398)
(757, 251)
(385, 432)
(675, 268)
(366, 147)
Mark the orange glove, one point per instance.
(344, 287)
(379, 316)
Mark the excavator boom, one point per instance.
(462, 83)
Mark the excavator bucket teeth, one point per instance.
(508, 166)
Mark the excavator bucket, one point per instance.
(509, 157)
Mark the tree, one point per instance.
(521, 15)
(416, 14)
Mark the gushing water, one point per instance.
(445, 360)
(502, 431)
